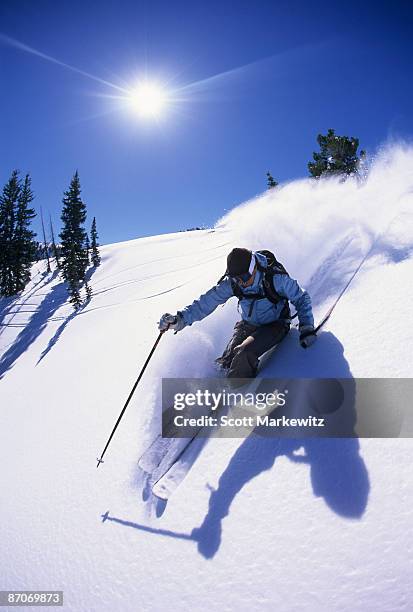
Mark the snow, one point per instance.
(258, 524)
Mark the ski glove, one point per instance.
(307, 335)
(169, 321)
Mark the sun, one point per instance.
(149, 100)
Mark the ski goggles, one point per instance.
(243, 278)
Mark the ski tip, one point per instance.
(160, 506)
(105, 516)
(160, 492)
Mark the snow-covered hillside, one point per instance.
(258, 524)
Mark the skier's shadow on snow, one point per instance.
(337, 471)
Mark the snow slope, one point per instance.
(258, 524)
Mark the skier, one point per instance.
(264, 290)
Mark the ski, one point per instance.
(153, 455)
(173, 453)
(168, 482)
(163, 451)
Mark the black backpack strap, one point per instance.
(272, 295)
(222, 277)
(269, 289)
(236, 289)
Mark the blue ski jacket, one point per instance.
(263, 310)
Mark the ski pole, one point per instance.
(130, 395)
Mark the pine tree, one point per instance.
(24, 243)
(95, 245)
(73, 239)
(338, 155)
(271, 182)
(8, 208)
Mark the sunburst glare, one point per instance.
(149, 100)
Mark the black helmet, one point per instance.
(239, 262)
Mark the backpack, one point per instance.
(273, 267)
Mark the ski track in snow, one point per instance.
(257, 524)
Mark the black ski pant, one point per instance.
(248, 343)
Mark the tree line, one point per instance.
(19, 248)
(338, 155)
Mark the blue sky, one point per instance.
(283, 72)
